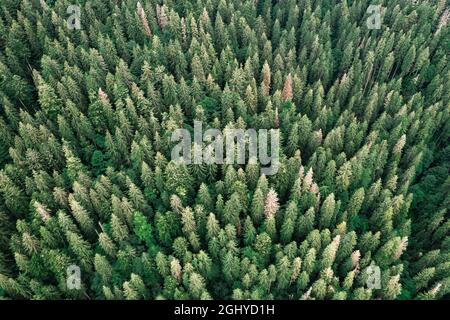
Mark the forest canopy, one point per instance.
(93, 207)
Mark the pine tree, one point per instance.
(287, 229)
(355, 203)
(204, 197)
(327, 212)
(81, 249)
(257, 208)
(82, 217)
(119, 229)
(249, 232)
(107, 244)
(262, 245)
(232, 209)
(103, 268)
(190, 227)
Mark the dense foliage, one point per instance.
(86, 179)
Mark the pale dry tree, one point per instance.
(328, 274)
(41, 210)
(287, 89)
(402, 247)
(318, 136)
(436, 289)
(399, 145)
(158, 14)
(205, 16)
(333, 247)
(301, 172)
(266, 79)
(336, 241)
(307, 294)
(103, 96)
(314, 188)
(194, 28)
(272, 205)
(176, 204)
(175, 269)
(143, 17)
(443, 21)
(441, 5)
(162, 16)
(344, 79)
(355, 257)
(307, 182)
(296, 268)
(210, 81)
